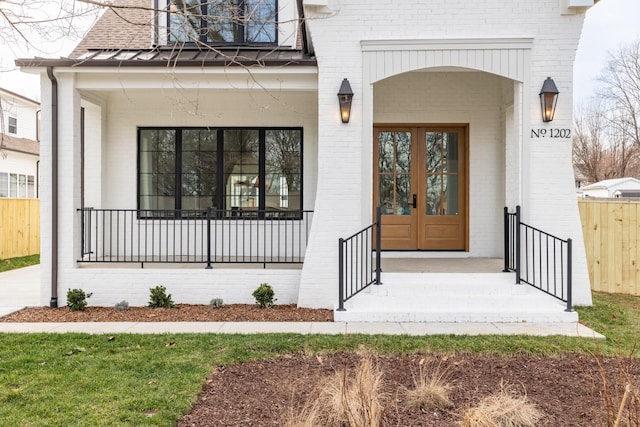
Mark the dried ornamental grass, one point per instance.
(357, 401)
(503, 409)
(430, 390)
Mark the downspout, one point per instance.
(54, 188)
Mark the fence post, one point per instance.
(506, 240)
(340, 274)
(378, 243)
(518, 244)
(569, 275)
(208, 267)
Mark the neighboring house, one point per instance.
(172, 127)
(19, 146)
(619, 187)
(580, 180)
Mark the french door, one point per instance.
(420, 183)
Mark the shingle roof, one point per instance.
(127, 25)
(22, 145)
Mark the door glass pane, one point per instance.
(433, 161)
(394, 172)
(434, 194)
(241, 169)
(385, 193)
(385, 152)
(450, 149)
(450, 194)
(403, 152)
(403, 188)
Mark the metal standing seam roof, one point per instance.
(178, 56)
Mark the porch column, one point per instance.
(68, 179)
(513, 149)
(338, 209)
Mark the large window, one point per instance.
(223, 21)
(238, 171)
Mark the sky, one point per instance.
(607, 24)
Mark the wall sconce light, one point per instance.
(548, 99)
(345, 96)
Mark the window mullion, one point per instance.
(262, 175)
(241, 19)
(204, 29)
(220, 173)
(178, 170)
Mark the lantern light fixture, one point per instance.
(548, 99)
(345, 96)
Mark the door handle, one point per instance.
(415, 201)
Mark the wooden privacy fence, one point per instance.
(19, 227)
(611, 234)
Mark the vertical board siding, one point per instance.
(19, 227)
(503, 62)
(611, 235)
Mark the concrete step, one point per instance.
(453, 298)
(412, 284)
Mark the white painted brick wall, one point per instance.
(547, 192)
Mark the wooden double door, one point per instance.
(420, 183)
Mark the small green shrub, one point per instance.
(216, 302)
(77, 299)
(264, 296)
(122, 306)
(160, 299)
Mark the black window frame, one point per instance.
(221, 211)
(240, 30)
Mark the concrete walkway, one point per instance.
(21, 288)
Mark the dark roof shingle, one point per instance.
(125, 25)
(22, 145)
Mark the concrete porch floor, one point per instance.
(392, 264)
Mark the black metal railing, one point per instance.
(359, 261)
(194, 236)
(538, 258)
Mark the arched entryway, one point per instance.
(446, 130)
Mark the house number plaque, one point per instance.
(551, 133)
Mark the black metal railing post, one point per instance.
(208, 267)
(378, 243)
(517, 266)
(506, 240)
(569, 274)
(341, 274)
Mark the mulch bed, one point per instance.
(265, 393)
(182, 313)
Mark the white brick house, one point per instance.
(445, 131)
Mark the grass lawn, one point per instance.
(19, 262)
(78, 379)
